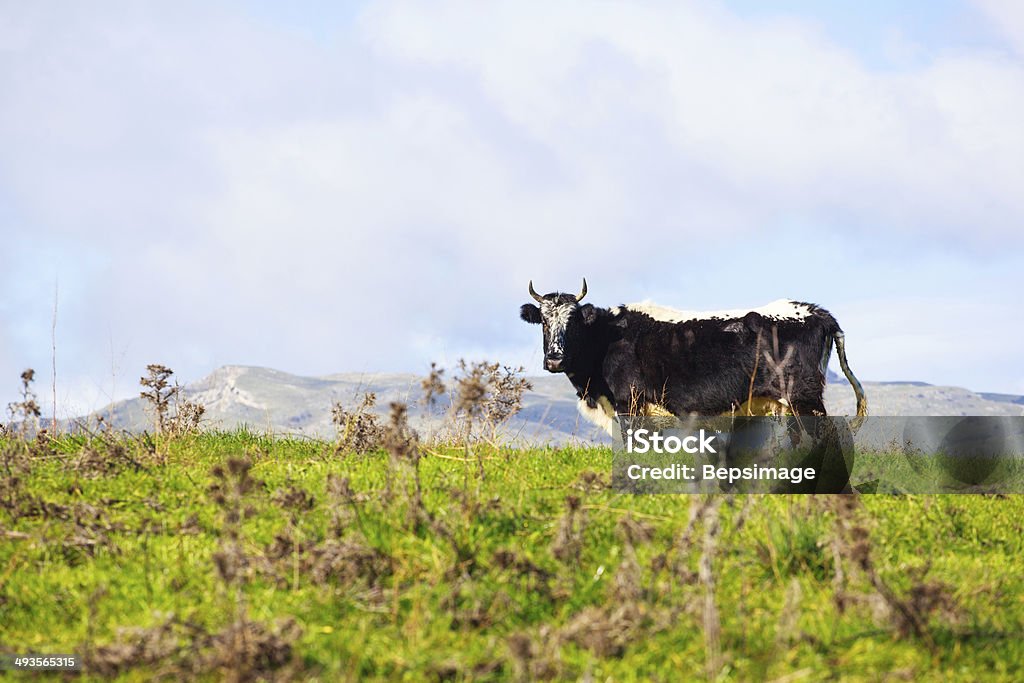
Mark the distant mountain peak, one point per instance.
(265, 398)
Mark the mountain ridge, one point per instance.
(285, 403)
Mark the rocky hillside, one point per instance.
(272, 400)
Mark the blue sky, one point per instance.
(369, 186)
(888, 34)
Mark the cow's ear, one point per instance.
(530, 313)
(589, 313)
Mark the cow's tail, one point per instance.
(862, 400)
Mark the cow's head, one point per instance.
(564, 322)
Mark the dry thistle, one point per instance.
(851, 544)
(346, 562)
(359, 431)
(521, 648)
(627, 579)
(433, 386)
(789, 618)
(567, 546)
(135, 647)
(344, 504)
(230, 491)
(187, 415)
(162, 395)
(403, 448)
(181, 649)
(535, 658)
(399, 439)
(489, 393)
(26, 412)
(160, 392)
(293, 498)
(712, 623)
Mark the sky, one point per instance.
(360, 187)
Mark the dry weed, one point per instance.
(359, 431)
(25, 413)
(852, 548)
(176, 649)
(433, 386)
(535, 659)
(161, 395)
(487, 394)
(567, 545)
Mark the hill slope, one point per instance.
(281, 402)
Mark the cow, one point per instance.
(645, 359)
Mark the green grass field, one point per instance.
(152, 558)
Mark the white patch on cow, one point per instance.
(783, 309)
(602, 415)
(557, 315)
(556, 318)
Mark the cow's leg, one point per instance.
(627, 415)
(810, 407)
(804, 408)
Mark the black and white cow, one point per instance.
(643, 359)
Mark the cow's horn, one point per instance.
(584, 292)
(534, 294)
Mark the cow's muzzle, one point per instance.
(553, 362)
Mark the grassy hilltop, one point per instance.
(235, 555)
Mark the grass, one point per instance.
(531, 568)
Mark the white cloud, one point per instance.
(246, 194)
(787, 121)
(1007, 16)
(941, 340)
